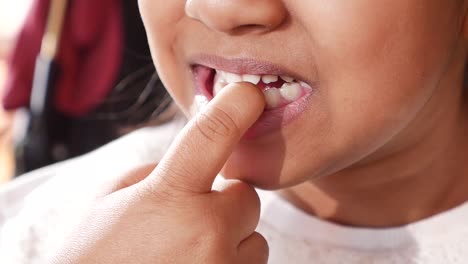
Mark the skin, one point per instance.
(171, 214)
(382, 142)
(384, 125)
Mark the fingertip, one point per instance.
(248, 98)
(255, 94)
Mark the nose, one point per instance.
(235, 16)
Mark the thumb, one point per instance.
(128, 179)
(204, 145)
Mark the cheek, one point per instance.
(164, 22)
(379, 62)
(377, 69)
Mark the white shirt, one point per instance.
(37, 209)
(295, 237)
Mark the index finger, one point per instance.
(202, 148)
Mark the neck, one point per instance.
(426, 176)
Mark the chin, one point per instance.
(258, 180)
(261, 173)
(255, 164)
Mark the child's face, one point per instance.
(377, 69)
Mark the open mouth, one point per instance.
(287, 97)
(279, 90)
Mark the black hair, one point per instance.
(138, 98)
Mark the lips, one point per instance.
(278, 90)
(286, 95)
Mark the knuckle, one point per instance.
(216, 124)
(247, 192)
(263, 243)
(262, 247)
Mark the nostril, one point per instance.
(250, 28)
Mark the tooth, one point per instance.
(287, 78)
(232, 77)
(219, 76)
(255, 79)
(272, 97)
(291, 91)
(306, 86)
(269, 78)
(218, 86)
(218, 82)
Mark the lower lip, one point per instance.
(271, 120)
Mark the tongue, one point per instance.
(276, 84)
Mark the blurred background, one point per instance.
(12, 15)
(74, 75)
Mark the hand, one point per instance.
(169, 214)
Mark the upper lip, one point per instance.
(244, 66)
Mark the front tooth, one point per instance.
(306, 86)
(269, 78)
(272, 97)
(287, 78)
(218, 86)
(218, 82)
(291, 91)
(254, 79)
(232, 77)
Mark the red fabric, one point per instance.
(89, 56)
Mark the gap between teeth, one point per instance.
(289, 92)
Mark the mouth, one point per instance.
(286, 95)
